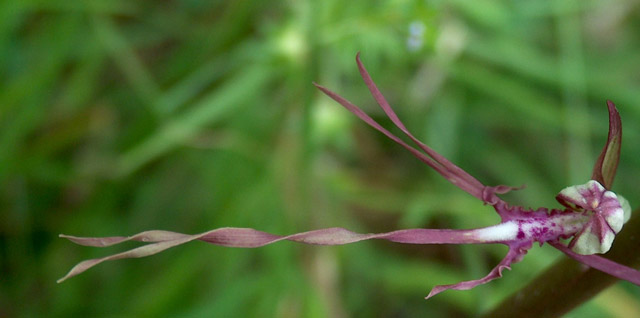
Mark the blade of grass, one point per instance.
(233, 96)
(514, 93)
(197, 81)
(22, 99)
(125, 57)
(528, 60)
(572, 72)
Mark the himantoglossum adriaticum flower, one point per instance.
(591, 217)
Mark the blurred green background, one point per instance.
(118, 117)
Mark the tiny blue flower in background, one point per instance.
(591, 217)
(415, 40)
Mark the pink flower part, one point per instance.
(250, 238)
(440, 164)
(606, 216)
(593, 215)
(602, 264)
(517, 250)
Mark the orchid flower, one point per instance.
(591, 217)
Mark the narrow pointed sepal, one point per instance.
(250, 238)
(602, 264)
(517, 250)
(454, 174)
(605, 167)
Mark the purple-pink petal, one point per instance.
(455, 174)
(367, 119)
(250, 238)
(602, 264)
(517, 250)
(444, 167)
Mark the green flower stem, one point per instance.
(568, 283)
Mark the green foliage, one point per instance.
(119, 116)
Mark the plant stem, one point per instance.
(568, 283)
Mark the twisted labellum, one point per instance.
(592, 216)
